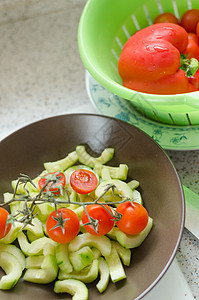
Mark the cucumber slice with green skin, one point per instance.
(133, 241)
(36, 228)
(102, 243)
(105, 174)
(12, 268)
(23, 243)
(81, 258)
(61, 253)
(62, 164)
(124, 253)
(12, 234)
(44, 210)
(31, 237)
(74, 287)
(12, 249)
(49, 248)
(46, 274)
(121, 187)
(85, 158)
(37, 247)
(29, 186)
(120, 172)
(137, 197)
(34, 261)
(96, 253)
(133, 184)
(104, 275)
(86, 275)
(116, 268)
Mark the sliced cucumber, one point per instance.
(23, 243)
(85, 158)
(105, 174)
(61, 252)
(81, 258)
(12, 268)
(46, 274)
(120, 172)
(62, 164)
(12, 249)
(122, 188)
(37, 247)
(133, 184)
(86, 275)
(116, 268)
(34, 261)
(137, 197)
(104, 275)
(96, 253)
(12, 234)
(44, 210)
(49, 248)
(36, 228)
(22, 189)
(133, 241)
(124, 253)
(102, 243)
(74, 287)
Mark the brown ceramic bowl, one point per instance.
(25, 151)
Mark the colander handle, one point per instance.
(192, 211)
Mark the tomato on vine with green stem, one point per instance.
(101, 219)
(53, 182)
(134, 217)
(62, 225)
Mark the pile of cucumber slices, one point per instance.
(29, 253)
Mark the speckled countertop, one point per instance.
(41, 74)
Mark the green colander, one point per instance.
(104, 27)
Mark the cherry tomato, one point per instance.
(193, 37)
(166, 18)
(134, 217)
(64, 228)
(190, 19)
(192, 49)
(83, 181)
(99, 213)
(53, 187)
(3, 218)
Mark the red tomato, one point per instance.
(63, 229)
(197, 30)
(192, 49)
(134, 217)
(3, 218)
(190, 19)
(194, 80)
(99, 213)
(53, 187)
(193, 36)
(83, 181)
(166, 18)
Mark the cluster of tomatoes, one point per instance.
(190, 22)
(63, 225)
